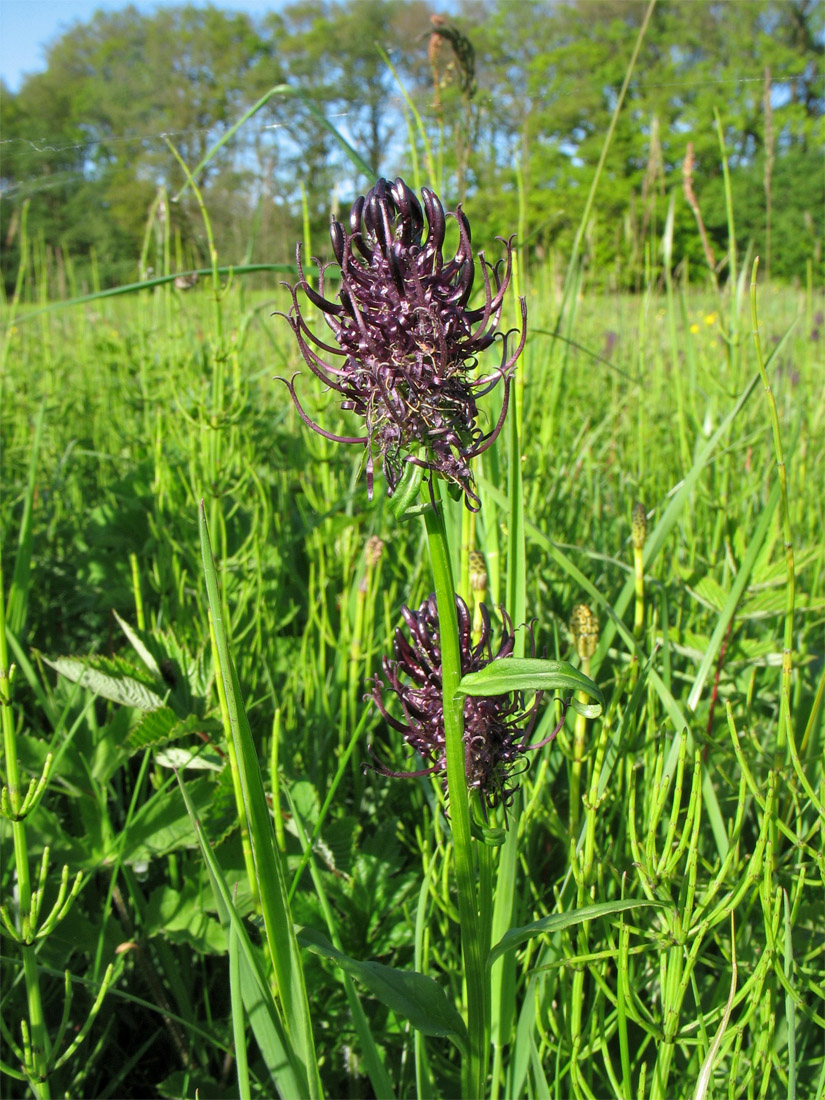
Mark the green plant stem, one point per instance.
(588, 206)
(475, 970)
(579, 750)
(639, 579)
(790, 583)
(37, 1028)
(237, 787)
(213, 437)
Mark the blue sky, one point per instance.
(28, 26)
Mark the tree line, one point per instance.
(501, 103)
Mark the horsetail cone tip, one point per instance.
(373, 551)
(639, 525)
(584, 626)
(478, 573)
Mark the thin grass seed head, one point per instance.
(407, 337)
(497, 728)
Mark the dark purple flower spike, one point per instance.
(408, 339)
(497, 728)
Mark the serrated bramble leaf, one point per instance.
(158, 727)
(194, 759)
(154, 728)
(123, 689)
(709, 593)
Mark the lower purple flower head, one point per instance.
(407, 337)
(497, 728)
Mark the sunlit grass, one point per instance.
(135, 434)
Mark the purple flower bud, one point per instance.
(408, 340)
(497, 728)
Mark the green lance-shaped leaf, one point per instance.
(558, 921)
(412, 996)
(529, 674)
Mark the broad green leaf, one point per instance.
(193, 759)
(558, 921)
(412, 996)
(527, 674)
(155, 728)
(179, 916)
(163, 825)
(138, 645)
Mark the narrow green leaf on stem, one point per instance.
(411, 996)
(559, 921)
(527, 674)
(238, 1028)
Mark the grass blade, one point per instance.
(280, 932)
(19, 591)
(236, 997)
(263, 1012)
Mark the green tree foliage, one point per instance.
(497, 83)
(556, 72)
(84, 139)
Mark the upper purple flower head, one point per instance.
(408, 340)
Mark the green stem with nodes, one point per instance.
(790, 584)
(213, 437)
(37, 1068)
(475, 969)
(582, 860)
(638, 535)
(639, 576)
(579, 750)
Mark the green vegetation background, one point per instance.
(120, 414)
(529, 83)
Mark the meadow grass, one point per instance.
(119, 417)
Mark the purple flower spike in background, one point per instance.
(497, 728)
(408, 340)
